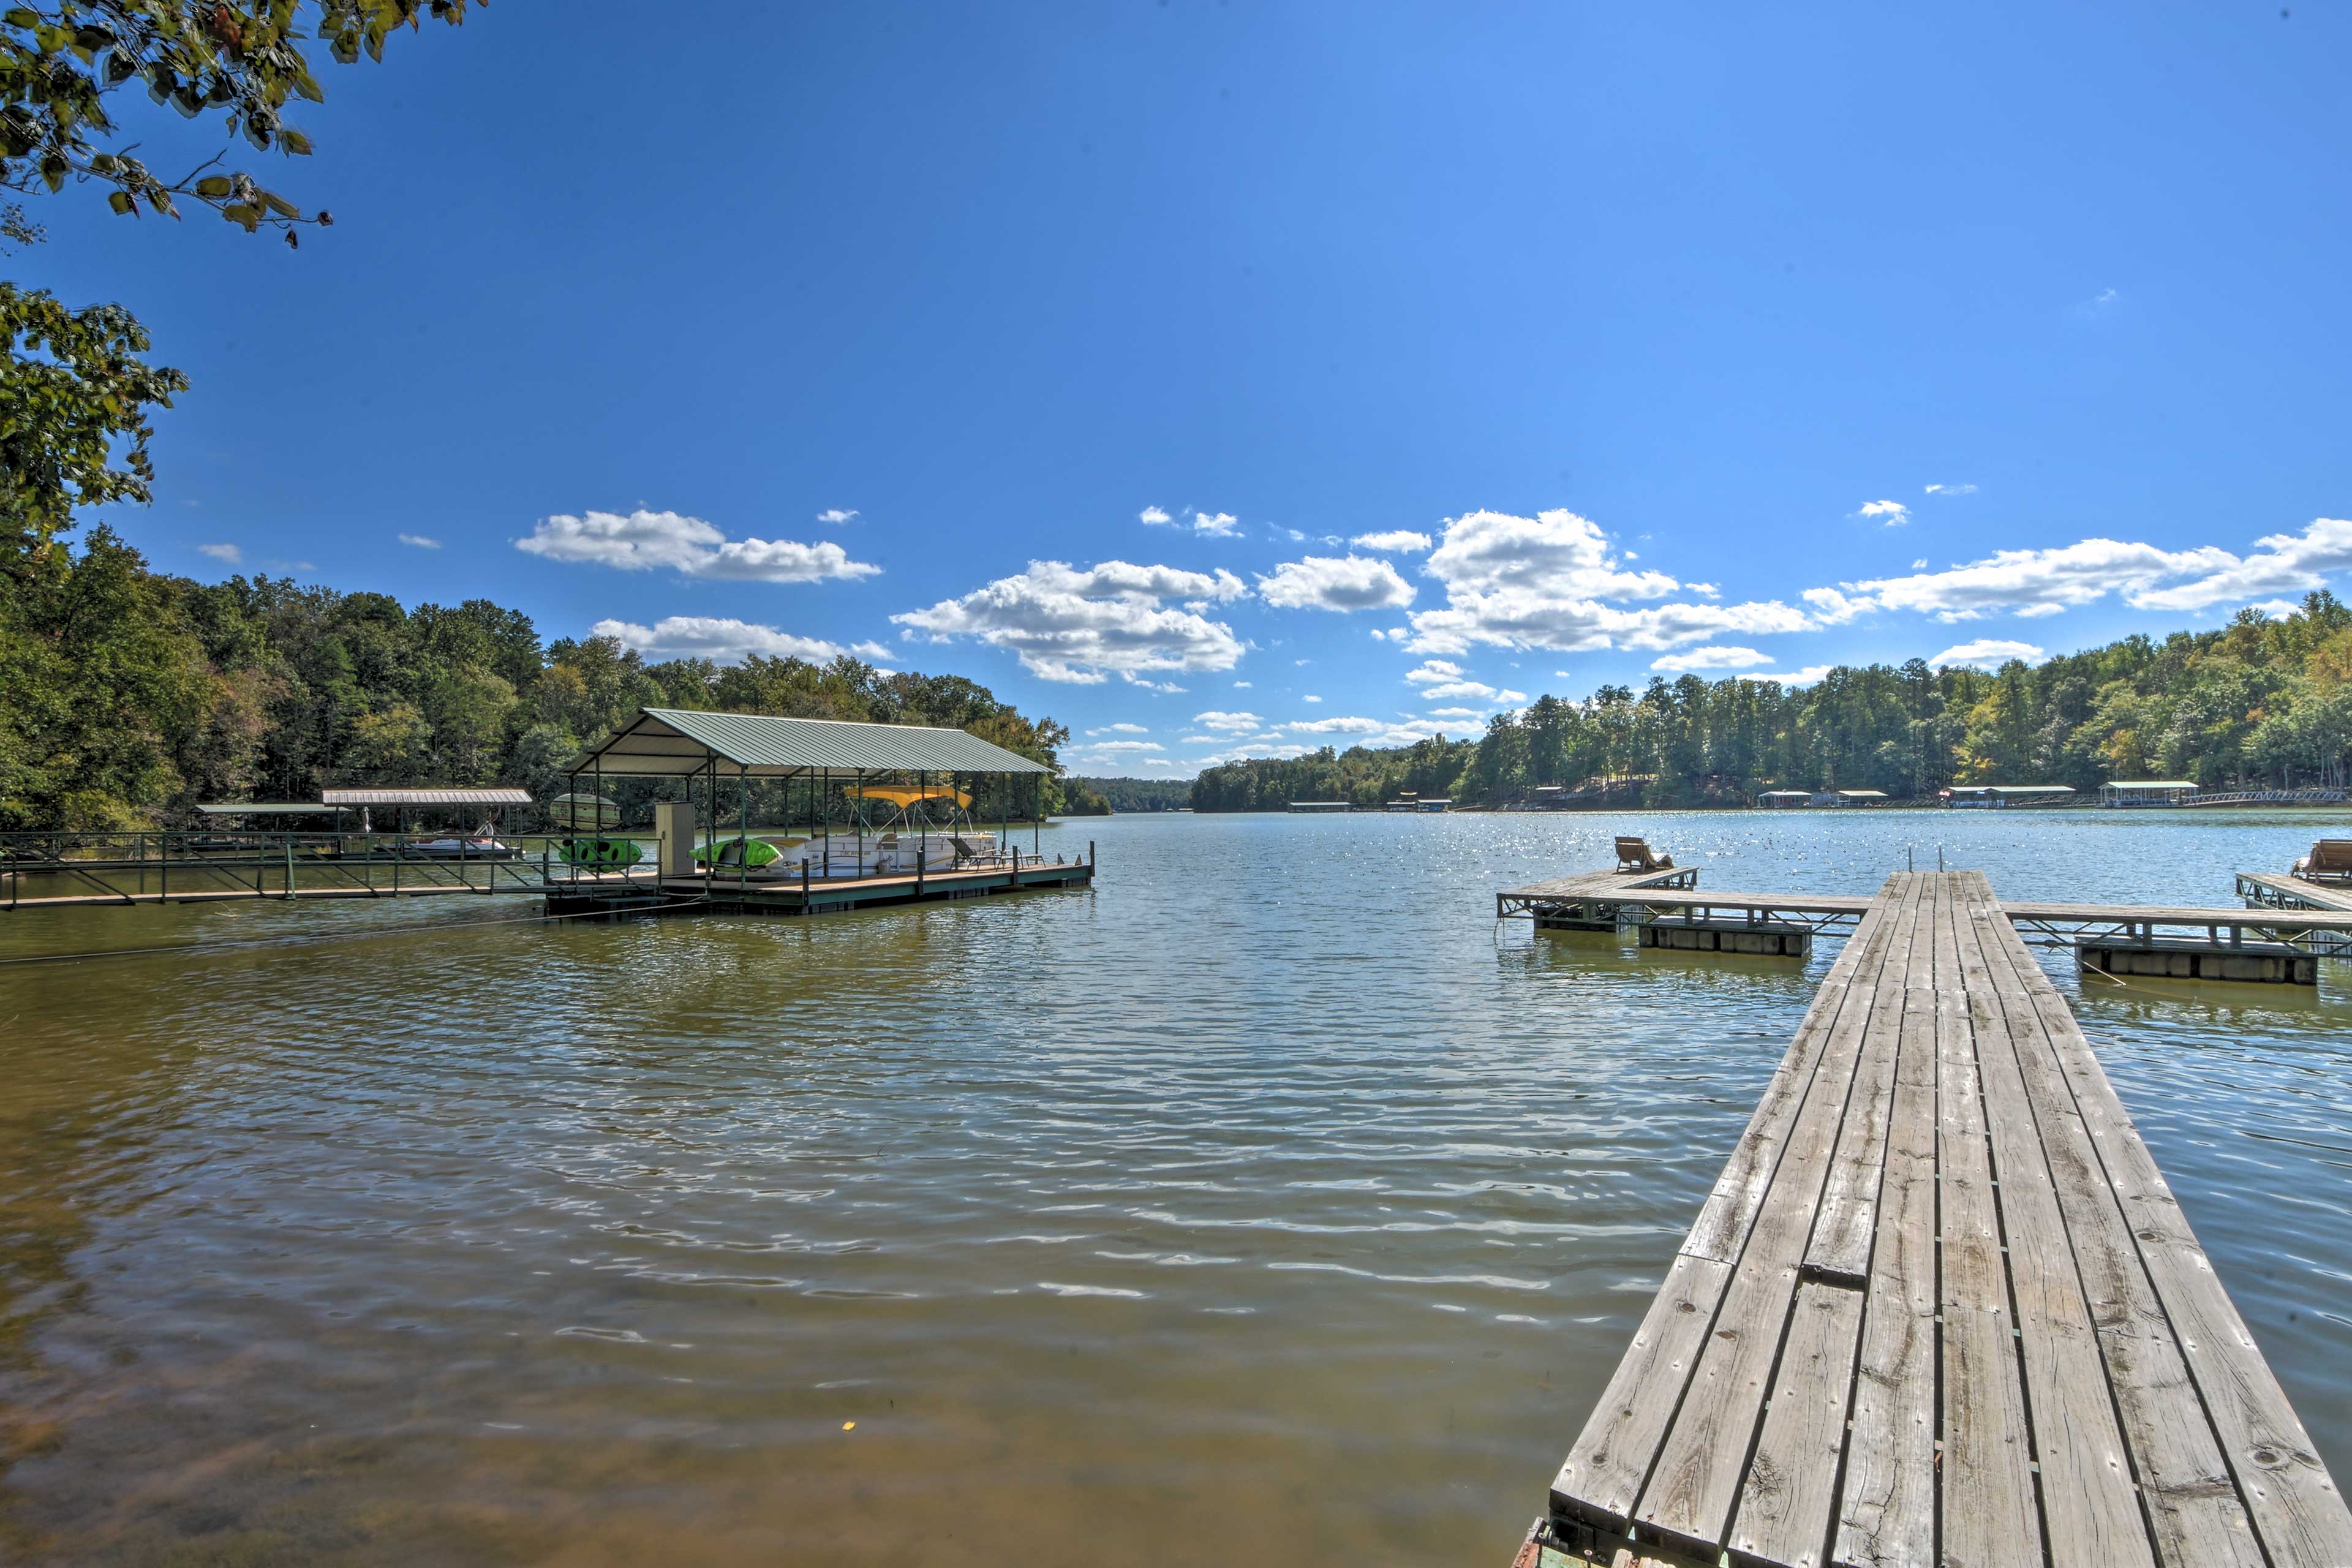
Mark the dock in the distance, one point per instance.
(1942, 1308)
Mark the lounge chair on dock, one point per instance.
(2330, 860)
(1633, 854)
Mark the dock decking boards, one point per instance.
(1941, 1309)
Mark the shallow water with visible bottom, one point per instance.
(1267, 1203)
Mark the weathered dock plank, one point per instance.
(1791, 1489)
(1990, 1515)
(1942, 1308)
(1698, 1478)
(2295, 1507)
(2193, 1509)
(1605, 1471)
(1886, 1517)
(2091, 1508)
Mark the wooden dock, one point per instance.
(1941, 1309)
(2293, 910)
(718, 892)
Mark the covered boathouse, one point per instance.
(710, 862)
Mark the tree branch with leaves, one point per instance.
(62, 64)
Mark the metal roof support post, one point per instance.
(743, 848)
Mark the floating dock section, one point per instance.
(2286, 925)
(1941, 1308)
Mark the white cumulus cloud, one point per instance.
(1987, 653)
(1340, 726)
(1228, 723)
(1951, 490)
(1404, 540)
(1712, 658)
(418, 541)
(1451, 690)
(1121, 730)
(1216, 524)
(1892, 513)
(1546, 581)
(727, 641)
(836, 516)
(642, 541)
(2279, 564)
(1335, 583)
(1068, 625)
(1810, 676)
(1154, 516)
(2048, 581)
(228, 554)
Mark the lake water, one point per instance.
(1267, 1203)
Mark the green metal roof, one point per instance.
(268, 808)
(667, 742)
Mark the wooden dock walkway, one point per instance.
(2291, 909)
(2281, 890)
(1941, 1309)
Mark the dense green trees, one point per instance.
(1100, 796)
(2264, 703)
(73, 396)
(126, 697)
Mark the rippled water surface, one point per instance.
(1267, 1204)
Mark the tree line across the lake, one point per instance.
(127, 696)
(2265, 703)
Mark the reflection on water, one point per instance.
(1267, 1203)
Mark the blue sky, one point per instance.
(1468, 351)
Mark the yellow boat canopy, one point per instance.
(903, 795)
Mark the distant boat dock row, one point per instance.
(2123, 795)
(1941, 1307)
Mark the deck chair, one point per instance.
(964, 853)
(1633, 854)
(2330, 860)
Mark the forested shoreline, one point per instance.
(2265, 703)
(127, 696)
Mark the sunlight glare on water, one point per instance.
(1267, 1203)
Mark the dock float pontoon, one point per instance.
(1941, 1307)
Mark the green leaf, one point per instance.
(280, 205)
(122, 204)
(18, 17)
(238, 213)
(212, 187)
